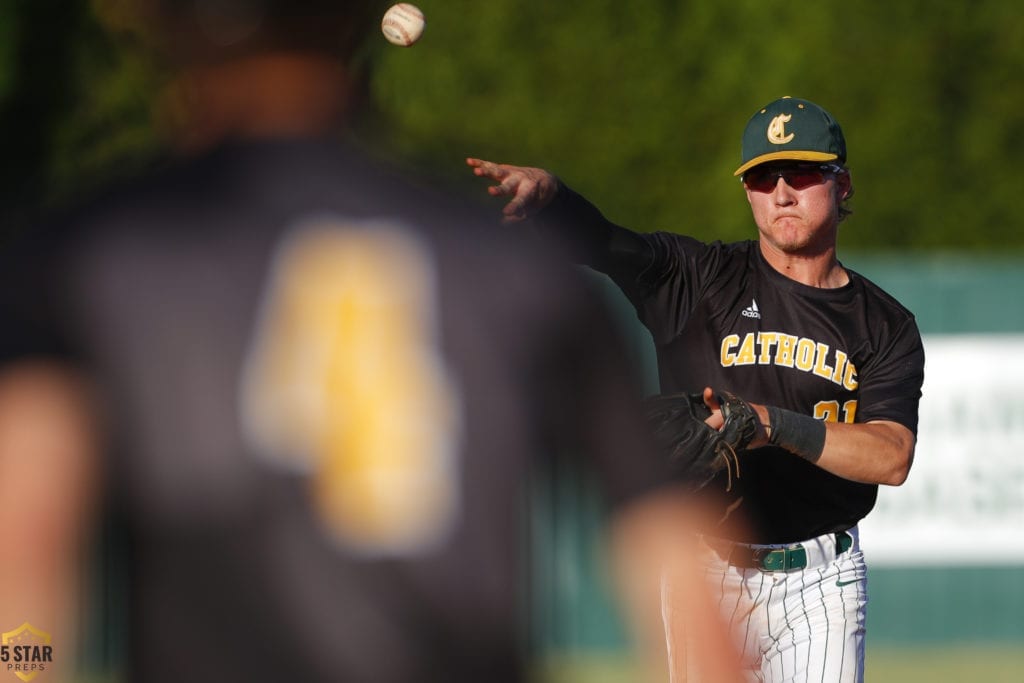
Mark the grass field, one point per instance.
(946, 664)
(886, 664)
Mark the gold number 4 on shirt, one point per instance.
(346, 381)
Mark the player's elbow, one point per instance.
(898, 475)
(900, 463)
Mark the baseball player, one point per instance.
(324, 389)
(830, 364)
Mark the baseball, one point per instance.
(403, 24)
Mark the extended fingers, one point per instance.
(507, 177)
(530, 189)
(488, 169)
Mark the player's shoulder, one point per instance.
(696, 248)
(877, 295)
(693, 248)
(698, 263)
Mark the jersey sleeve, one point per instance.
(890, 386)
(662, 274)
(682, 272)
(590, 238)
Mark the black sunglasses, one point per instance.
(798, 176)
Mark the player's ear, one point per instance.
(844, 185)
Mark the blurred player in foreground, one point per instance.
(320, 386)
(829, 365)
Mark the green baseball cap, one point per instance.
(791, 128)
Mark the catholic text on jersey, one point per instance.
(789, 351)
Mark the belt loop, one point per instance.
(844, 541)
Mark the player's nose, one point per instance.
(783, 194)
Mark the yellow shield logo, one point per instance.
(26, 651)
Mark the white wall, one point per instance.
(964, 501)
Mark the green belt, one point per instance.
(780, 559)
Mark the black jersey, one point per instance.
(326, 386)
(721, 316)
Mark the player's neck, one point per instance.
(819, 269)
(274, 95)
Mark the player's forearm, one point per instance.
(878, 452)
(48, 481)
(660, 585)
(869, 453)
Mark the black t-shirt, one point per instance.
(326, 389)
(721, 316)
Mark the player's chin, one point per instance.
(789, 241)
(796, 236)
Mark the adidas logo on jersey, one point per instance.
(752, 311)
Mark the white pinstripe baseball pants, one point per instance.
(798, 626)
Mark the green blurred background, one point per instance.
(638, 103)
(640, 106)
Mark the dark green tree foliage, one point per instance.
(74, 106)
(35, 93)
(640, 105)
(637, 104)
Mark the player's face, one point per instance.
(796, 205)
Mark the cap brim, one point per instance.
(792, 155)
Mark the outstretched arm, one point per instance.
(592, 239)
